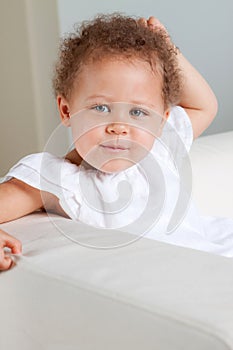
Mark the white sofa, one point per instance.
(146, 295)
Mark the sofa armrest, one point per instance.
(212, 165)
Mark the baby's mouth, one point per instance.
(114, 147)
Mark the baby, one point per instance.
(121, 85)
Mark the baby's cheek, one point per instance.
(80, 146)
(85, 142)
(145, 140)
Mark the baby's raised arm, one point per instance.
(197, 97)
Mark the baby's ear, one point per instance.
(165, 117)
(63, 107)
(167, 113)
(163, 121)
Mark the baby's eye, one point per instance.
(101, 108)
(138, 113)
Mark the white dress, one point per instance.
(151, 198)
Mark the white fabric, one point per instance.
(92, 196)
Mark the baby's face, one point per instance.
(116, 111)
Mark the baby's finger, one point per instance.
(15, 245)
(6, 261)
(142, 21)
(10, 242)
(154, 22)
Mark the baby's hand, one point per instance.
(11, 242)
(152, 22)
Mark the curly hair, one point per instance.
(117, 36)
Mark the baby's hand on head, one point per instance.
(8, 241)
(152, 22)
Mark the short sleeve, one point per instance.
(179, 124)
(27, 169)
(172, 147)
(49, 173)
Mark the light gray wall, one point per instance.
(203, 29)
(29, 36)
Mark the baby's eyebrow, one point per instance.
(142, 103)
(94, 97)
(108, 98)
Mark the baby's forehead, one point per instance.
(113, 60)
(114, 80)
(113, 67)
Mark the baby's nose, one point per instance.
(118, 128)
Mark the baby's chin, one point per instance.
(115, 162)
(116, 166)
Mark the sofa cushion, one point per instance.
(212, 165)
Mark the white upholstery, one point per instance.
(146, 295)
(212, 163)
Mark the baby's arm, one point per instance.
(18, 199)
(197, 97)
